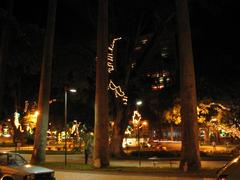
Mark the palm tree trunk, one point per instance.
(3, 53)
(38, 155)
(172, 131)
(101, 139)
(190, 156)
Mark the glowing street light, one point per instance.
(66, 90)
(138, 103)
(73, 90)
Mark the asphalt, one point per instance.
(74, 175)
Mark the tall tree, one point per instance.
(190, 156)
(4, 51)
(38, 155)
(101, 140)
(133, 56)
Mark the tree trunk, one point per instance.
(38, 155)
(116, 143)
(101, 138)
(190, 156)
(172, 131)
(119, 127)
(206, 136)
(3, 53)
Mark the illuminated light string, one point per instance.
(117, 89)
(110, 67)
(232, 130)
(110, 55)
(136, 118)
(217, 104)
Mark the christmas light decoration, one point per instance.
(16, 119)
(117, 89)
(204, 111)
(110, 55)
(136, 118)
(75, 128)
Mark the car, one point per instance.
(230, 171)
(14, 167)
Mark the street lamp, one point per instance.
(66, 90)
(138, 103)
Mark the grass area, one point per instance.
(69, 166)
(174, 155)
(48, 152)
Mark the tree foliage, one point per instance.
(210, 114)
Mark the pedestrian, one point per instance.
(214, 145)
(88, 140)
(86, 154)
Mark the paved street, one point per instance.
(60, 175)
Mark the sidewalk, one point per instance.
(163, 164)
(120, 174)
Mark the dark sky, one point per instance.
(214, 30)
(215, 37)
(73, 18)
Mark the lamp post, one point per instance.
(66, 90)
(139, 103)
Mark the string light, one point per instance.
(136, 118)
(110, 55)
(110, 67)
(117, 89)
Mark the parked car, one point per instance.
(14, 167)
(230, 171)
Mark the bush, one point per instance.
(7, 144)
(159, 154)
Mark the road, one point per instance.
(63, 175)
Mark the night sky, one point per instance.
(214, 32)
(214, 29)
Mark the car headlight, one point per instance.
(30, 177)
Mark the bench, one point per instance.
(155, 160)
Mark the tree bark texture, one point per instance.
(119, 127)
(190, 156)
(101, 138)
(38, 155)
(4, 53)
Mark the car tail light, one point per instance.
(222, 177)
